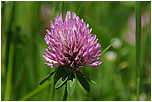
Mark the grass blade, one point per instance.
(61, 7)
(138, 38)
(107, 47)
(80, 8)
(10, 57)
(9, 73)
(30, 94)
(54, 6)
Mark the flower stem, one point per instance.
(138, 37)
(65, 93)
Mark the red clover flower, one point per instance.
(71, 44)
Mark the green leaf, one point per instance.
(71, 84)
(83, 82)
(88, 78)
(59, 73)
(61, 81)
(46, 78)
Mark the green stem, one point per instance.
(138, 37)
(65, 93)
(30, 94)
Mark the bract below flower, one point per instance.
(71, 43)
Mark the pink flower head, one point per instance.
(71, 43)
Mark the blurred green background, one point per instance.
(23, 27)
